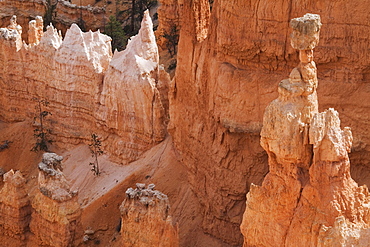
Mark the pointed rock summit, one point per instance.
(308, 197)
(131, 102)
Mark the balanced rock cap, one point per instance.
(306, 30)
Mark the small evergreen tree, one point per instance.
(41, 133)
(172, 39)
(95, 148)
(133, 15)
(115, 31)
(50, 13)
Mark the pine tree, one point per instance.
(95, 148)
(41, 133)
(115, 31)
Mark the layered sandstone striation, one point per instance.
(56, 216)
(15, 210)
(145, 218)
(131, 103)
(308, 196)
(118, 98)
(168, 11)
(233, 74)
(51, 217)
(63, 14)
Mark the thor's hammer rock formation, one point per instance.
(308, 197)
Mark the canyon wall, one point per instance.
(224, 82)
(131, 103)
(169, 18)
(228, 63)
(64, 14)
(88, 91)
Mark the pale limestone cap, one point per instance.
(306, 31)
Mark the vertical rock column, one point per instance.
(146, 220)
(131, 104)
(15, 210)
(333, 209)
(284, 136)
(308, 198)
(56, 215)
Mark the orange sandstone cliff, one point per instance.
(308, 196)
(56, 216)
(228, 62)
(63, 12)
(224, 82)
(56, 213)
(82, 80)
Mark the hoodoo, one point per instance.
(308, 196)
(145, 218)
(15, 210)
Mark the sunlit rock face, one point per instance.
(131, 103)
(49, 218)
(308, 196)
(63, 14)
(15, 210)
(56, 216)
(120, 98)
(224, 83)
(146, 219)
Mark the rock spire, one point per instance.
(56, 216)
(15, 210)
(146, 220)
(308, 196)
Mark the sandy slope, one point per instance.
(101, 196)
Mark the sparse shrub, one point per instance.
(5, 145)
(95, 148)
(50, 12)
(41, 133)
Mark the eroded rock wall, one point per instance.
(169, 18)
(64, 14)
(51, 217)
(223, 84)
(56, 216)
(87, 90)
(131, 102)
(15, 210)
